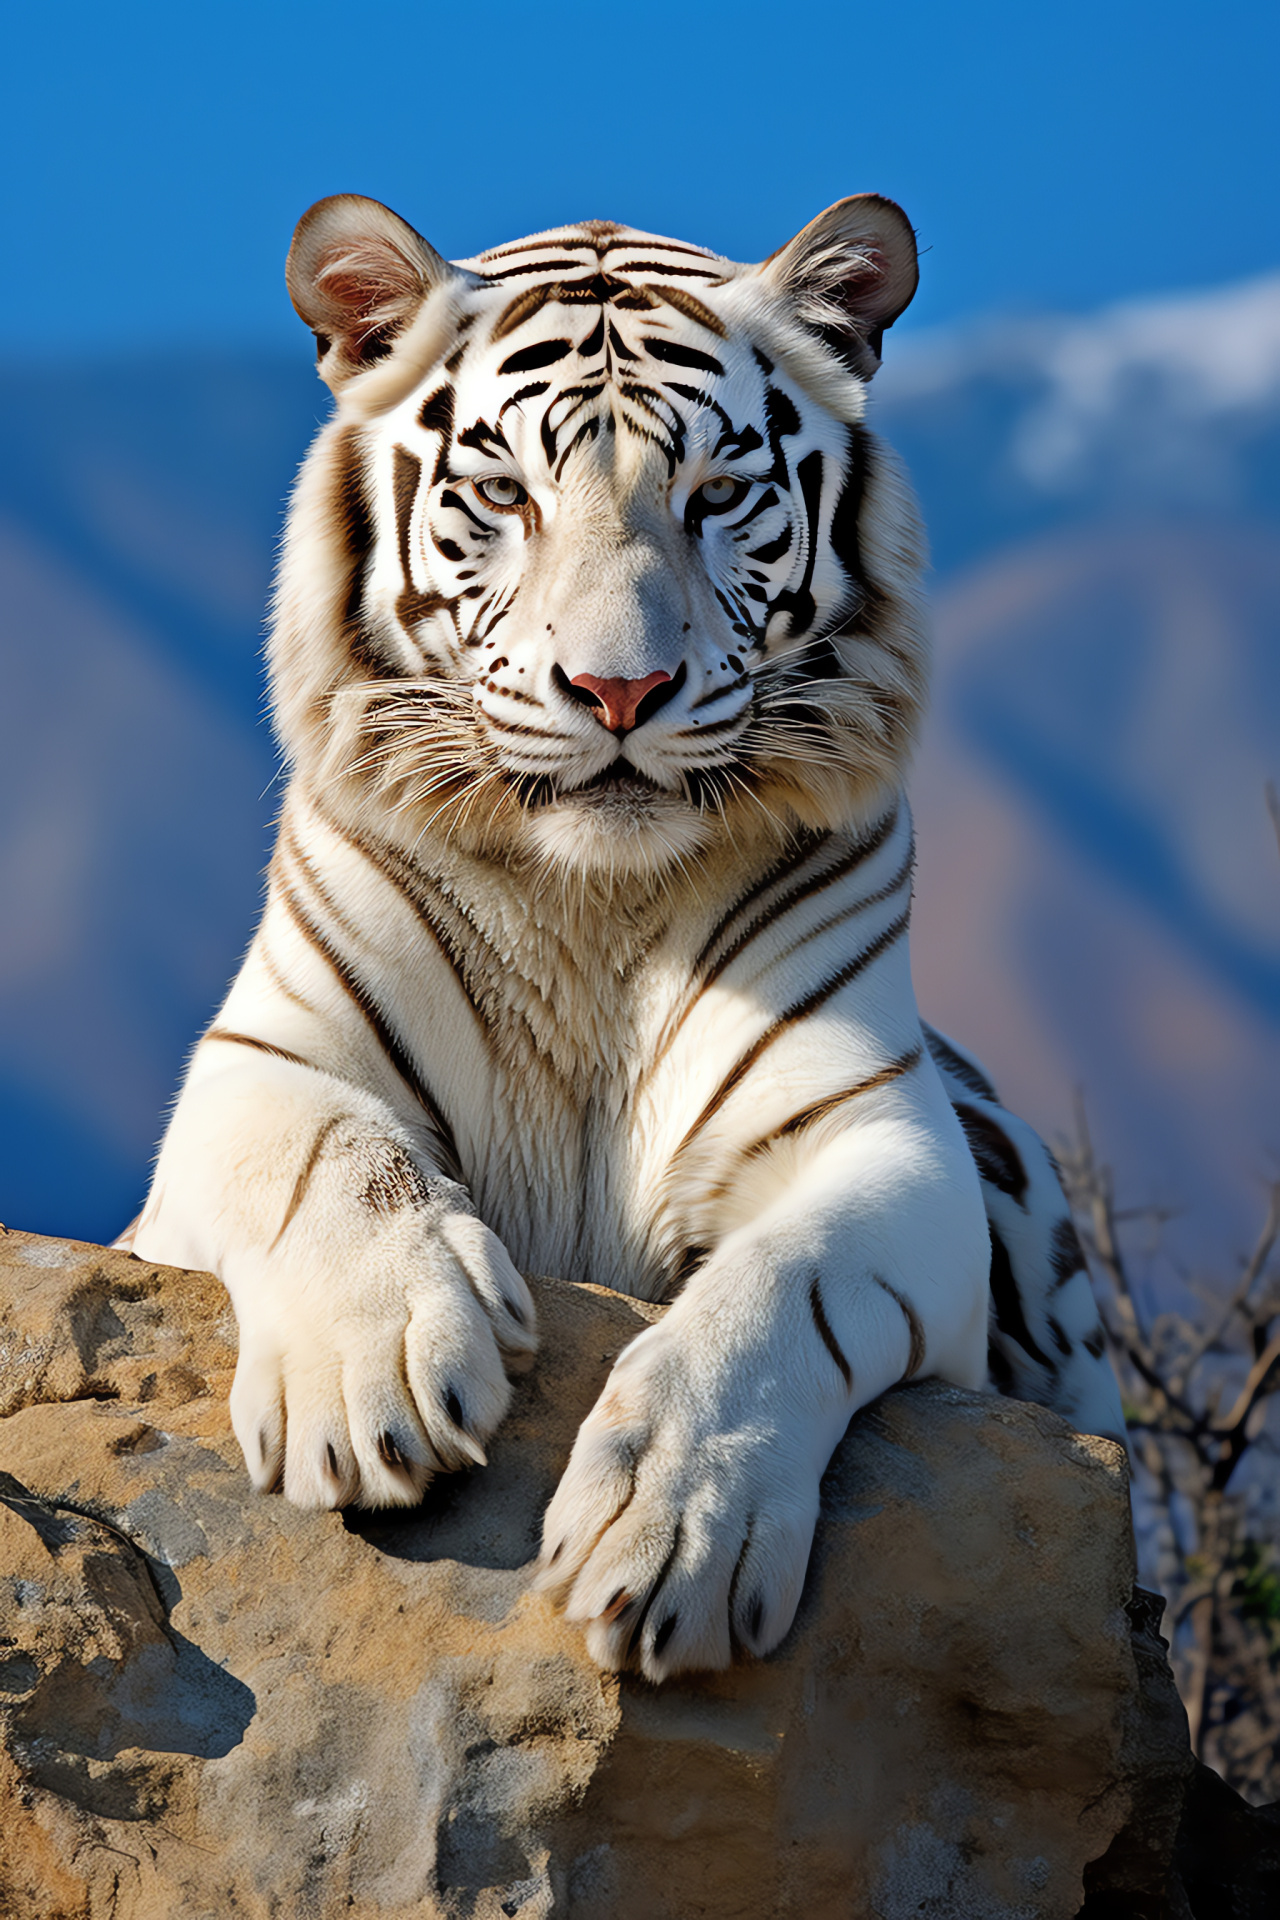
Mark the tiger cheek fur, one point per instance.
(597, 658)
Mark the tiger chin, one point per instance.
(597, 658)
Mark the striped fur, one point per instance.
(597, 660)
(1046, 1341)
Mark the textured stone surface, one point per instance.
(213, 1704)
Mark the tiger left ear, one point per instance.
(849, 274)
(357, 275)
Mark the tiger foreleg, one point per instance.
(682, 1527)
(375, 1310)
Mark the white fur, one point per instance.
(610, 1032)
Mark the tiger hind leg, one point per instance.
(1046, 1339)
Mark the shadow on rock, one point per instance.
(95, 1674)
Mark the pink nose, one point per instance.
(618, 700)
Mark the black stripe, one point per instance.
(1066, 1255)
(409, 884)
(845, 537)
(303, 1180)
(587, 431)
(522, 308)
(1007, 1299)
(676, 354)
(734, 1640)
(594, 342)
(541, 266)
(915, 1358)
(685, 302)
(827, 1337)
(528, 733)
(412, 606)
(863, 901)
(567, 237)
(803, 1008)
(350, 496)
(288, 846)
(392, 1045)
(619, 350)
(436, 415)
(278, 979)
(520, 698)
(664, 1634)
(946, 1057)
(355, 530)
(521, 394)
(811, 884)
(801, 849)
(451, 499)
(650, 245)
(261, 1046)
(482, 436)
(999, 1371)
(543, 353)
(831, 1102)
(995, 1156)
(767, 499)
(665, 267)
(799, 602)
(721, 693)
(405, 479)
(709, 731)
(772, 549)
(549, 433)
(1059, 1336)
(781, 422)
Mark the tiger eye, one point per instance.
(718, 492)
(500, 490)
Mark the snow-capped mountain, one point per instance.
(1151, 406)
(1099, 892)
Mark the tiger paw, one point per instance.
(362, 1377)
(680, 1533)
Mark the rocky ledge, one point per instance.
(213, 1704)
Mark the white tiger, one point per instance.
(597, 658)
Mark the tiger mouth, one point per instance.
(621, 788)
(619, 778)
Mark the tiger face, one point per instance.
(601, 558)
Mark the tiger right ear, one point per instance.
(357, 274)
(849, 274)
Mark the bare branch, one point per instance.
(1254, 1267)
(1255, 1388)
(1092, 1185)
(1200, 1550)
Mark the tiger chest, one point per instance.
(551, 1130)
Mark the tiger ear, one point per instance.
(357, 274)
(849, 274)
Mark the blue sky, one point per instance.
(154, 158)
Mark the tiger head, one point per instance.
(596, 560)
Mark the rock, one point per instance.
(213, 1704)
(1228, 1853)
(1133, 1880)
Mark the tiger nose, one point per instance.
(616, 703)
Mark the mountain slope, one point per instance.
(1099, 890)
